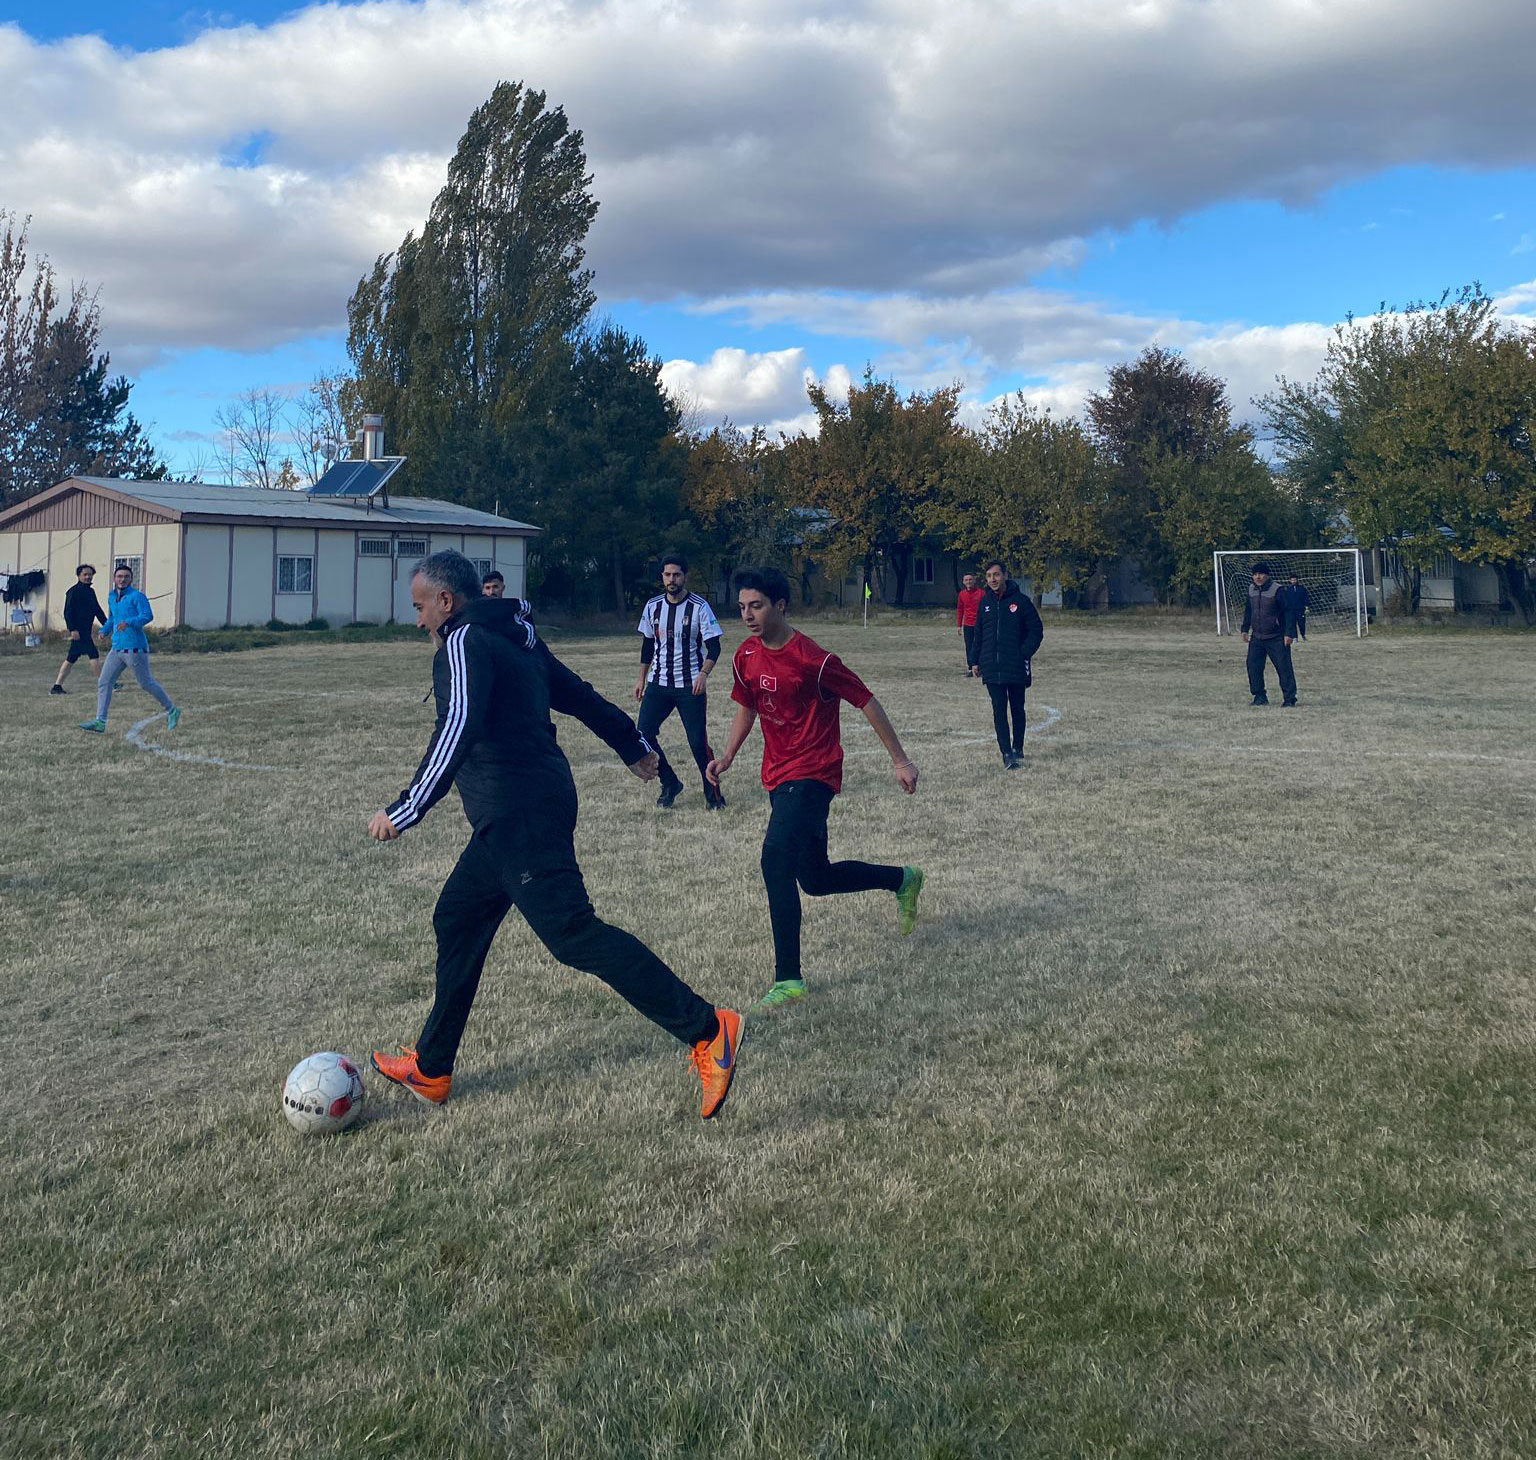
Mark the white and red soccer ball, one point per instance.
(323, 1094)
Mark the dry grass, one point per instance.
(1196, 1119)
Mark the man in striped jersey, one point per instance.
(496, 683)
(679, 648)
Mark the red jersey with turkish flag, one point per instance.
(796, 692)
(966, 605)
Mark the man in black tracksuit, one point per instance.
(495, 683)
(82, 612)
(1269, 626)
(1008, 635)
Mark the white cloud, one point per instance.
(230, 191)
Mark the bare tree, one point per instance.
(249, 428)
(319, 422)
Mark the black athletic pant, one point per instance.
(969, 630)
(1008, 699)
(505, 867)
(795, 852)
(692, 710)
(1279, 652)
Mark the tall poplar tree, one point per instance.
(461, 336)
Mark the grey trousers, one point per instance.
(113, 665)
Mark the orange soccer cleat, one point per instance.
(403, 1070)
(715, 1061)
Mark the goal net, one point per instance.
(1334, 579)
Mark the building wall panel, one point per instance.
(335, 559)
(375, 590)
(207, 579)
(510, 559)
(254, 567)
(162, 566)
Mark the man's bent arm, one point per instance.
(458, 727)
(880, 723)
(571, 695)
(741, 727)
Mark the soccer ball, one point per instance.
(323, 1094)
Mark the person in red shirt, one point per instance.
(966, 605)
(795, 688)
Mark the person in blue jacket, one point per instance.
(128, 611)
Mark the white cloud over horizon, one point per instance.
(894, 173)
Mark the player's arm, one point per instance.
(1034, 630)
(880, 723)
(741, 727)
(461, 677)
(571, 695)
(711, 658)
(1247, 617)
(647, 653)
(98, 615)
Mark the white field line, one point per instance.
(135, 737)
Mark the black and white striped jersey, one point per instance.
(678, 633)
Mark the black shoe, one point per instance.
(1261, 699)
(1287, 704)
(669, 794)
(58, 689)
(1012, 762)
(714, 801)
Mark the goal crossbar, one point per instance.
(1334, 579)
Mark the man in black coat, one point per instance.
(82, 612)
(1008, 635)
(496, 683)
(1269, 626)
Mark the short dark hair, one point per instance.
(767, 581)
(1262, 567)
(122, 568)
(996, 563)
(85, 567)
(452, 572)
(675, 560)
(493, 577)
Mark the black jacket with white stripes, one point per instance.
(496, 682)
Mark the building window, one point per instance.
(410, 547)
(295, 575)
(922, 570)
(137, 566)
(484, 567)
(373, 547)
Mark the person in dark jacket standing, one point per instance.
(82, 612)
(1301, 601)
(1008, 635)
(1269, 626)
(496, 682)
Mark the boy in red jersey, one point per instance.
(794, 686)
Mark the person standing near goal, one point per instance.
(496, 682)
(1008, 636)
(679, 648)
(796, 688)
(1269, 627)
(1301, 600)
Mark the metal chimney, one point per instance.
(373, 438)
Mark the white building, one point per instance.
(210, 556)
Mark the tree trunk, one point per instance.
(617, 555)
(901, 561)
(1518, 585)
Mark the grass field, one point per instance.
(1198, 1118)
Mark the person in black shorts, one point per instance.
(82, 612)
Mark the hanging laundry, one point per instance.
(21, 585)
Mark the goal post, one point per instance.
(1333, 577)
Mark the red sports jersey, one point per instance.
(795, 691)
(966, 605)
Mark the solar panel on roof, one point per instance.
(357, 478)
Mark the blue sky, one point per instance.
(1015, 197)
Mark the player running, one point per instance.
(794, 686)
(128, 614)
(496, 683)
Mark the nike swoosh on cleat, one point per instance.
(725, 1063)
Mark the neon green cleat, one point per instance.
(96, 727)
(782, 992)
(906, 897)
(173, 718)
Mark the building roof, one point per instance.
(212, 502)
